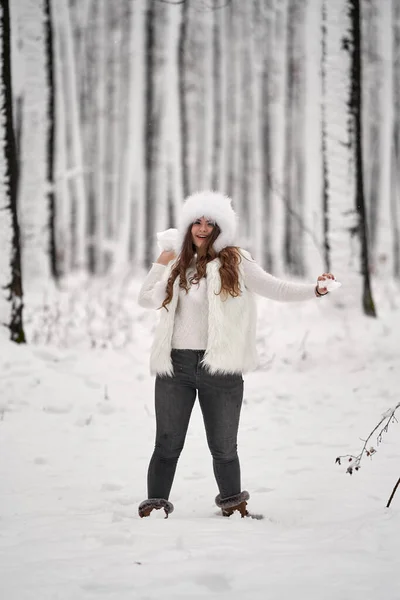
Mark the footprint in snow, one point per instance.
(111, 487)
(126, 501)
(106, 409)
(297, 471)
(57, 409)
(214, 582)
(117, 540)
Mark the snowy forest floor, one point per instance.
(76, 434)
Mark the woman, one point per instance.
(204, 342)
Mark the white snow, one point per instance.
(76, 434)
(329, 284)
(166, 240)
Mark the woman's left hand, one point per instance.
(324, 277)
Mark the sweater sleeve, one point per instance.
(260, 282)
(147, 297)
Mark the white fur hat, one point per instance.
(211, 205)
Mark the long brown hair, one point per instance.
(229, 270)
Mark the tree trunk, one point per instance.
(63, 215)
(295, 139)
(342, 225)
(256, 192)
(171, 138)
(279, 78)
(62, 18)
(395, 162)
(151, 127)
(101, 116)
(11, 304)
(209, 102)
(182, 52)
(324, 145)
(133, 240)
(51, 139)
(356, 109)
(33, 185)
(383, 253)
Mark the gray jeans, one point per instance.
(220, 398)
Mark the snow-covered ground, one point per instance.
(76, 434)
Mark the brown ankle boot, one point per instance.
(227, 512)
(237, 502)
(151, 504)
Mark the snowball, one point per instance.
(329, 284)
(167, 239)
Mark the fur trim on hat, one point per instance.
(150, 504)
(211, 205)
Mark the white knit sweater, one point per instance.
(191, 317)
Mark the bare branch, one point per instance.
(388, 417)
(172, 1)
(393, 493)
(211, 7)
(275, 188)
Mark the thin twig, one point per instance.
(393, 493)
(274, 186)
(387, 418)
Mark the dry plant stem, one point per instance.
(393, 493)
(387, 419)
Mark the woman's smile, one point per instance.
(201, 230)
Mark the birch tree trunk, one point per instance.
(245, 134)
(191, 90)
(356, 107)
(278, 93)
(100, 166)
(295, 139)
(219, 46)
(63, 215)
(157, 23)
(236, 107)
(265, 42)
(384, 260)
(225, 66)
(172, 131)
(51, 139)
(395, 163)
(183, 103)
(324, 138)
(372, 115)
(256, 191)
(117, 123)
(347, 227)
(342, 223)
(62, 20)
(33, 185)
(11, 298)
(312, 222)
(132, 234)
(209, 102)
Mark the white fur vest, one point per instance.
(231, 346)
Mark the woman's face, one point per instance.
(201, 230)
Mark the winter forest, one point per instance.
(113, 112)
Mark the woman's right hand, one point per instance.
(165, 257)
